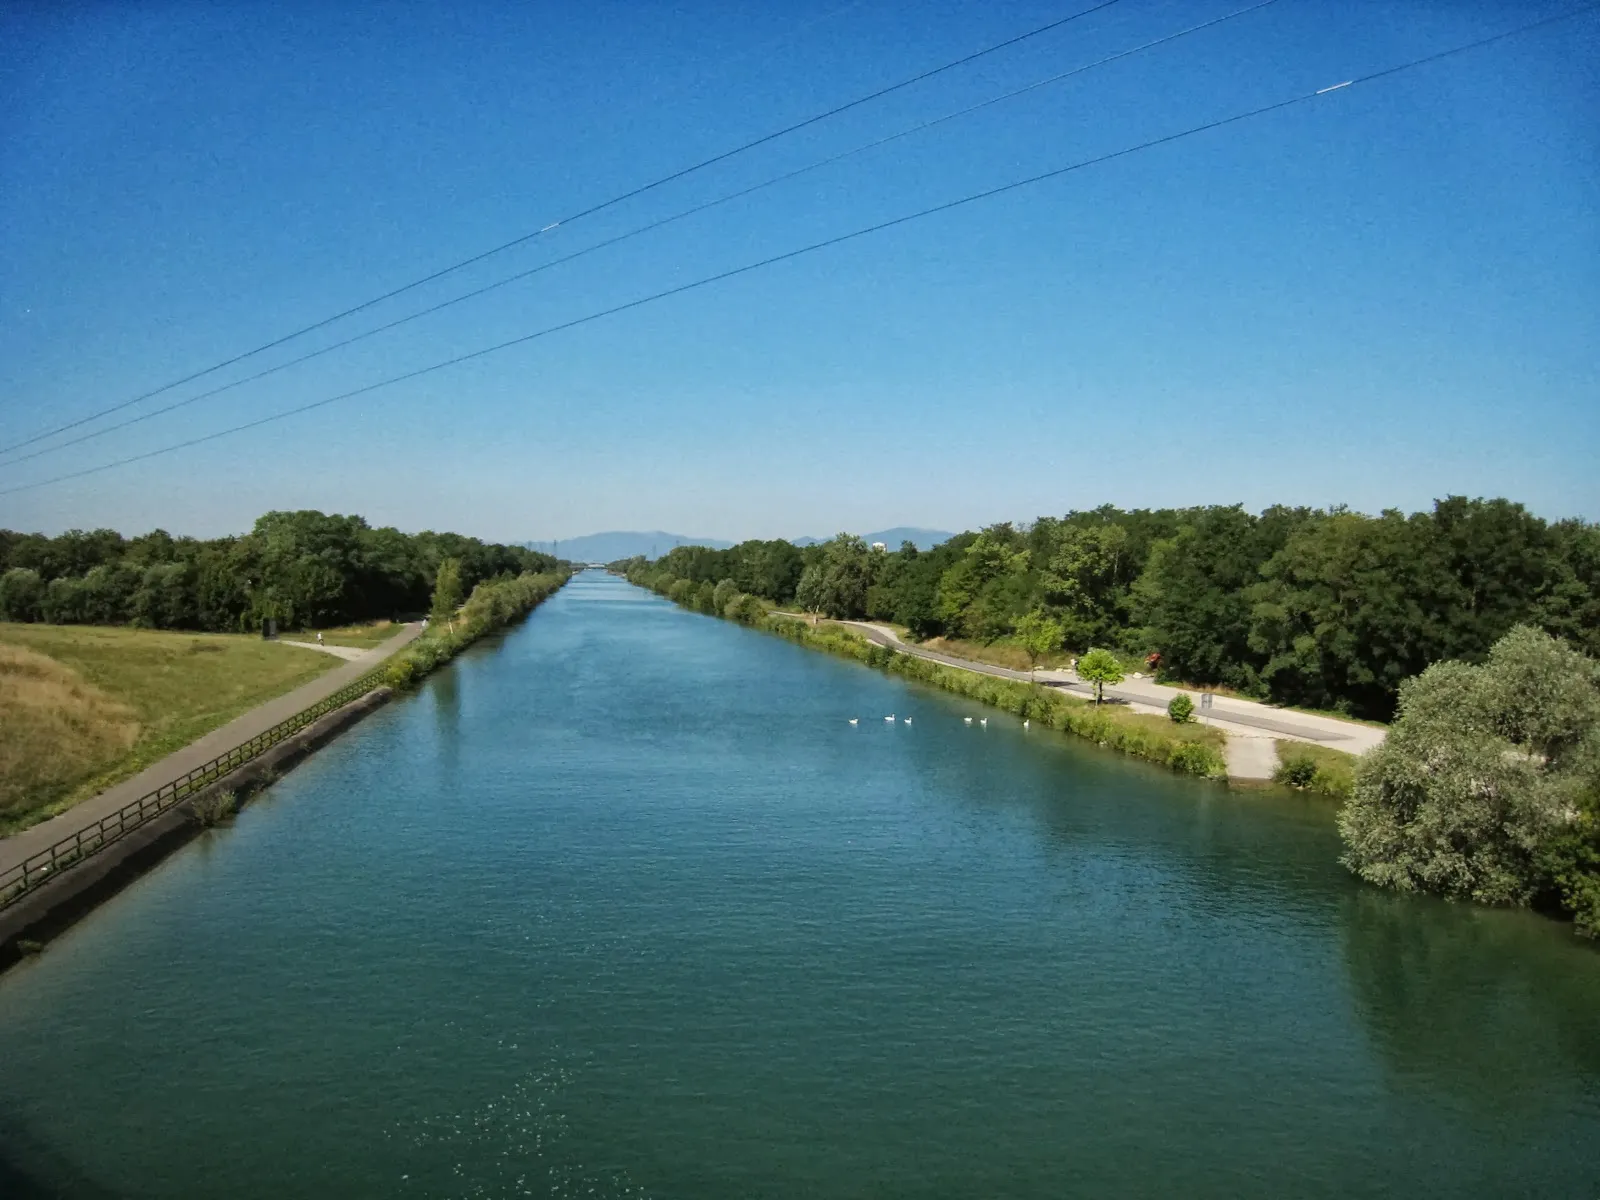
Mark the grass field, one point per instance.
(996, 654)
(84, 706)
(364, 637)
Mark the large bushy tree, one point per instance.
(1487, 771)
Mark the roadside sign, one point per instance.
(1205, 699)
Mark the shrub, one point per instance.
(1181, 709)
(212, 808)
(492, 605)
(1296, 770)
(1195, 758)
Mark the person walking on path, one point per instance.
(319, 637)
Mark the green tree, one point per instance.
(986, 588)
(1181, 709)
(1085, 573)
(1039, 635)
(1193, 596)
(21, 592)
(1100, 667)
(1485, 769)
(809, 594)
(447, 591)
(844, 576)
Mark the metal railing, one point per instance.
(39, 868)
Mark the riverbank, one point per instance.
(48, 910)
(85, 707)
(1189, 749)
(330, 677)
(491, 606)
(208, 780)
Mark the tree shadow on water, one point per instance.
(31, 1171)
(1495, 1008)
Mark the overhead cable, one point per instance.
(947, 206)
(567, 220)
(635, 232)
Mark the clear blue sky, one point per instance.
(1386, 296)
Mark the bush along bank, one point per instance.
(494, 604)
(1316, 769)
(1188, 749)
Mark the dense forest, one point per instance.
(1322, 608)
(302, 569)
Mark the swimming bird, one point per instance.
(984, 721)
(908, 720)
(890, 718)
(967, 720)
(852, 720)
(1025, 724)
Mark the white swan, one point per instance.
(890, 718)
(984, 721)
(908, 720)
(1025, 724)
(967, 720)
(852, 720)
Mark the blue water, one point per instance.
(621, 905)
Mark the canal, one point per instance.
(622, 905)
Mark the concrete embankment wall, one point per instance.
(54, 906)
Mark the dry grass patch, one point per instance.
(175, 686)
(59, 730)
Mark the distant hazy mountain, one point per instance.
(922, 539)
(608, 547)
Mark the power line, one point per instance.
(839, 239)
(921, 127)
(567, 220)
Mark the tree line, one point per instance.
(300, 569)
(1324, 608)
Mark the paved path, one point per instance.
(352, 653)
(219, 741)
(1250, 757)
(1253, 726)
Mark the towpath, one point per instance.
(1251, 727)
(348, 653)
(16, 848)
